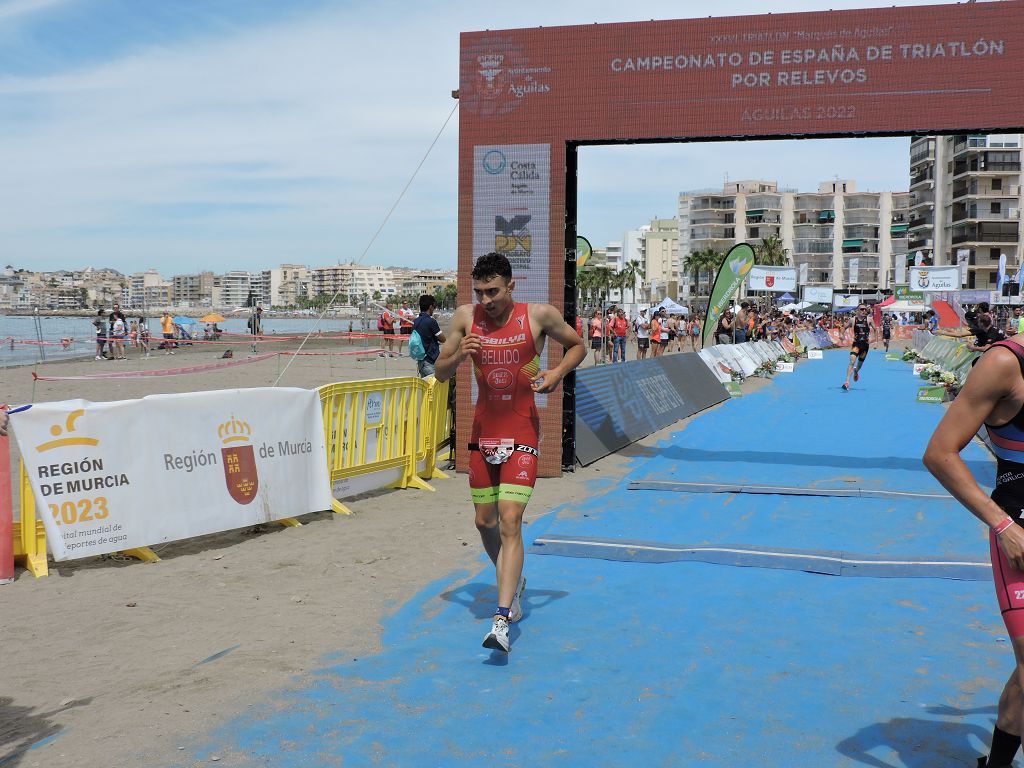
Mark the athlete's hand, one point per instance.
(469, 345)
(1011, 541)
(546, 381)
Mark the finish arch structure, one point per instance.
(530, 97)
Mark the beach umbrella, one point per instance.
(213, 318)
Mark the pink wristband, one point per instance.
(1003, 526)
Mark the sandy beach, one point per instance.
(110, 659)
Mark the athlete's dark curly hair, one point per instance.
(490, 265)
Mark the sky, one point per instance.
(241, 134)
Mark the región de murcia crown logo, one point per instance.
(239, 460)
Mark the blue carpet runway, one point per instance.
(623, 661)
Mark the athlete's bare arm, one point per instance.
(550, 323)
(459, 343)
(994, 392)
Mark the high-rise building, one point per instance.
(965, 200)
(283, 286)
(235, 288)
(660, 259)
(354, 281)
(195, 290)
(847, 239)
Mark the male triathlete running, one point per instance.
(994, 396)
(504, 339)
(886, 330)
(863, 327)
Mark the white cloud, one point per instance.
(14, 8)
(316, 122)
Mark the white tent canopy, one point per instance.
(671, 307)
(797, 306)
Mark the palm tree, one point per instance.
(603, 278)
(770, 253)
(618, 282)
(584, 287)
(694, 264)
(629, 274)
(705, 259)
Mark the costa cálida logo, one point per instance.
(239, 460)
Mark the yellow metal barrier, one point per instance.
(434, 428)
(369, 426)
(380, 425)
(29, 534)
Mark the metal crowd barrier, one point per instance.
(388, 428)
(948, 353)
(392, 426)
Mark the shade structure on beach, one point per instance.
(182, 320)
(786, 297)
(213, 318)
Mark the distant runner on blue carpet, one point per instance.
(863, 328)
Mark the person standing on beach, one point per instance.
(643, 335)
(117, 334)
(430, 334)
(994, 397)
(100, 324)
(387, 325)
(256, 326)
(167, 327)
(143, 336)
(597, 336)
(620, 327)
(504, 339)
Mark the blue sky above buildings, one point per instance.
(227, 134)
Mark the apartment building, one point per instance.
(199, 290)
(235, 289)
(836, 236)
(354, 281)
(965, 200)
(659, 258)
(412, 282)
(283, 286)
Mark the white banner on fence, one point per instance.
(935, 278)
(779, 279)
(133, 473)
(818, 294)
(804, 269)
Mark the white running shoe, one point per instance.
(515, 612)
(497, 638)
